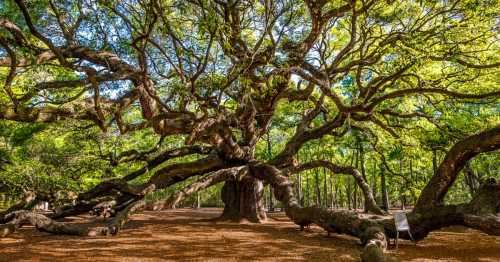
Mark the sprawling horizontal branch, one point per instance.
(44, 114)
(302, 135)
(179, 172)
(412, 91)
(368, 228)
(466, 63)
(42, 222)
(87, 200)
(25, 203)
(156, 160)
(213, 178)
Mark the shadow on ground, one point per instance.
(192, 235)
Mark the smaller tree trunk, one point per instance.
(348, 192)
(317, 191)
(331, 203)
(385, 195)
(271, 201)
(471, 179)
(434, 161)
(300, 195)
(363, 172)
(374, 183)
(307, 192)
(355, 196)
(198, 200)
(325, 189)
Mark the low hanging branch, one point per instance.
(47, 224)
(235, 173)
(44, 223)
(87, 200)
(24, 203)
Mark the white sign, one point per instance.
(401, 222)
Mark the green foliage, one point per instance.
(71, 155)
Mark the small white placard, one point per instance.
(401, 221)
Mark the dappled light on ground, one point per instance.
(187, 234)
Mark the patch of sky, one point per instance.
(368, 76)
(347, 81)
(389, 58)
(115, 89)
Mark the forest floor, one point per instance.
(191, 235)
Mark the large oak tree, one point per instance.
(215, 73)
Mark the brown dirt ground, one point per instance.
(190, 235)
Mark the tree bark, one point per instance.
(243, 200)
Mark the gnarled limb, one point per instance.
(90, 198)
(27, 202)
(47, 224)
(44, 223)
(234, 173)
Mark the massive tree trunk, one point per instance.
(243, 200)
